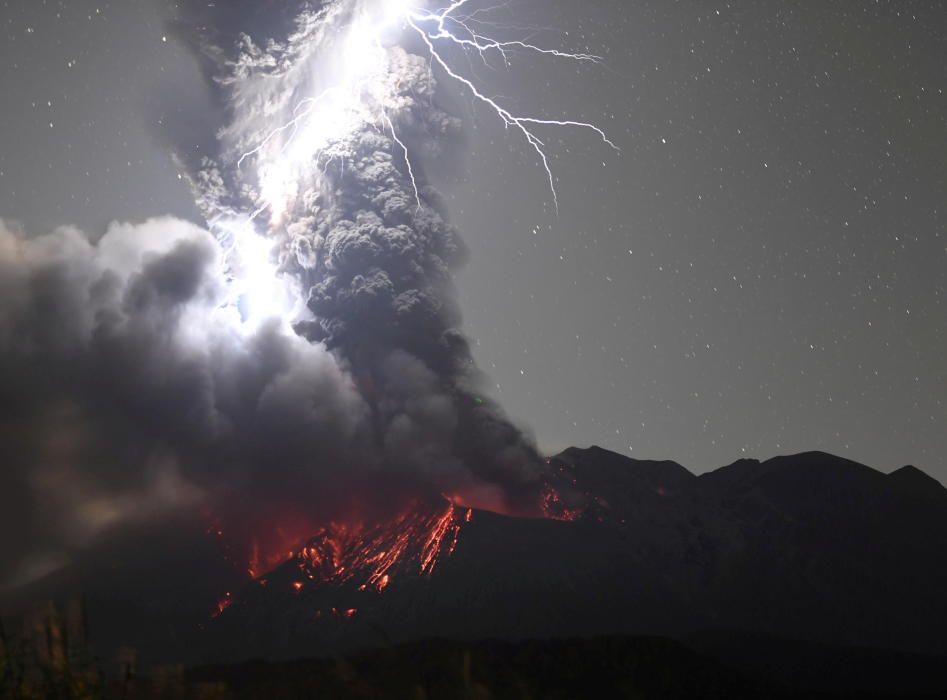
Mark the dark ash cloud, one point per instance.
(132, 383)
(371, 246)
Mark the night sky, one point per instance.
(761, 271)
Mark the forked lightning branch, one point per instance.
(360, 96)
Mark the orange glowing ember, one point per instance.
(555, 509)
(223, 603)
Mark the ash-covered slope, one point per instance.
(809, 546)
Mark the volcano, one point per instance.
(807, 547)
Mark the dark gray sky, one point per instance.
(762, 270)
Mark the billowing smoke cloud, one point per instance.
(362, 233)
(308, 338)
(129, 387)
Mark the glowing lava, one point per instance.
(223, 603)
(371, 555)
(555, 509)
(366, 556)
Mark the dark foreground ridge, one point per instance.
(636, 668)
(610, 667)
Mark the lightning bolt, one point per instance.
(416, 19)
(301, 111)
(407, 159)
(447, 26)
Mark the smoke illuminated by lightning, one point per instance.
(364, 93)
(259, 367)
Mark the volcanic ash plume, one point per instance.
(304, 349)
(327, 132)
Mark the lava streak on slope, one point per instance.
(354, 557)
(351, 559)
(370, 555)
(416, 540)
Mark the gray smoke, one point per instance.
(125, 391)
(130, 384)
(375, 257)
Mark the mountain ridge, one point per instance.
(811, 547)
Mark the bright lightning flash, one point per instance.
(257, 293)
(364, 93)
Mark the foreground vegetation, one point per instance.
(49, 657)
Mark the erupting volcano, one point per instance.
(259, 425)
(333, 237)
(352, 559)
(307, 335)
(368, 556)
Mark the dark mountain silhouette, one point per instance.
(807, 547)
(795, 568)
